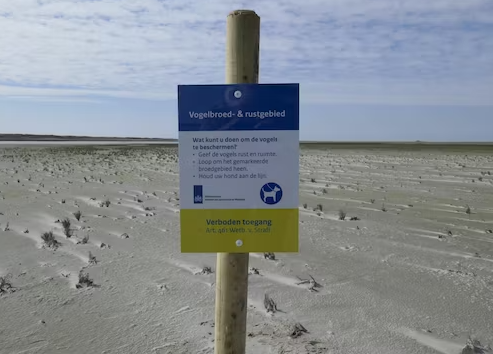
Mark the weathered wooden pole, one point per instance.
(242, 66)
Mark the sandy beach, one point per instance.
(399, 242)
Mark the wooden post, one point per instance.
(242, 66)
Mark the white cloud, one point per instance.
(341, 51)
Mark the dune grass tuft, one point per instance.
(92, 259)
(66, 227)
(269, 304)
(342, 215)
(206, 270)
(49, 240)
(78, 215)
(84, 240)
(6, 285)
(84, 280)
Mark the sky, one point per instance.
(368, 70)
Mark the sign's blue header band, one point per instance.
(238, 107)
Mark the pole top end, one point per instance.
(242, 13)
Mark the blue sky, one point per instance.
(368, 70)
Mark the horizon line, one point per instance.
(52, 137)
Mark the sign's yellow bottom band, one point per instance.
(239, 230)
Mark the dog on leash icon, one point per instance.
(271, 193)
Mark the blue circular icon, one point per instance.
(271, 193)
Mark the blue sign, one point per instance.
(271, 193)
(238, 107)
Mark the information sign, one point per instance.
(239, 167)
